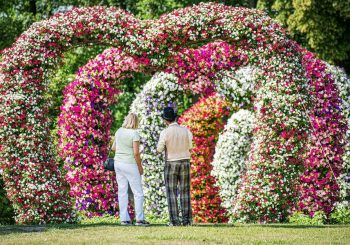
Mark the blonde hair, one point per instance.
(131, 121)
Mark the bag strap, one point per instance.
(110, 148)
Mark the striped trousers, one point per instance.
(178, 181)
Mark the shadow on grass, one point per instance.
(4, 230)
(295, 226)
(276, 225)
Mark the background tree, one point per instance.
(150, 9)
(18, 15)
(322, 26)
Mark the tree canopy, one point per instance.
(322, 26)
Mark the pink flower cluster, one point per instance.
(84, 125)
(319, 187)
(198, 69)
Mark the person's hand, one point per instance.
(141, 170)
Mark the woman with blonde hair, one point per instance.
(128, 169)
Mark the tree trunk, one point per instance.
(122, 4)
(32, 6)
(253, 3)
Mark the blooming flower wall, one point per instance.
(82, 142)
(319, 187)
(343, 84)
(281, 103)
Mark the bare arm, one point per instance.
(114, 147)
(137, 155)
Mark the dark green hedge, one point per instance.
(6, 210)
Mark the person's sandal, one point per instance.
(142, 223)
(126, 223)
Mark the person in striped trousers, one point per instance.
(176, 141)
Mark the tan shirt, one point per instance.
(178, 142)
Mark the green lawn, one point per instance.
(160, 234)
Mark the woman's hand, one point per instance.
(140, 169)
(136, 146)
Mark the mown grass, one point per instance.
(161, 234)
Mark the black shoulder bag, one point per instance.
(109, 163)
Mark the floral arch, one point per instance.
(288, 73)
(82, 141)
(162, 90)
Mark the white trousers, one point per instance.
(129, 173)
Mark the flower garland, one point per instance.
(162, 90)
(230, 156)
(27, 65)
(32, 179)
(205, 119)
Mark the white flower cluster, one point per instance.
(231, 153)
(161, 91)
(237, 86)
(343, 84)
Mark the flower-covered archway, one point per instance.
(162, 90)
(186, 64)
(84, 124)
(85, 119)
(30, 171)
